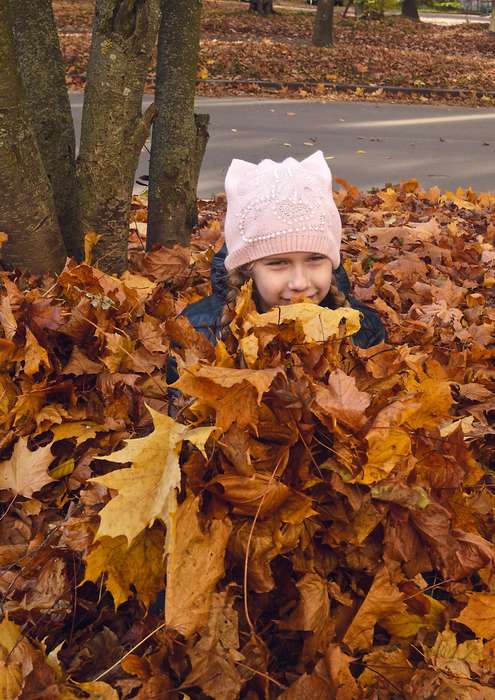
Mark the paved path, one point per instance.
(446, 18)
(452, 18)
(368, 144)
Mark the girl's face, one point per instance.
(280, 278)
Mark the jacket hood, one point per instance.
(218, 273)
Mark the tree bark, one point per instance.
(323, 25)
(492, 19)
(179, 136)
(262, 7)
(114, 129)
(410, 10)
(42, 71)
(27, 209)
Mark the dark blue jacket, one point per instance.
(206, 314)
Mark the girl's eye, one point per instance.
(317, 258)
(276, 263)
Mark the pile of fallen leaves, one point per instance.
(238, 45)
(316, 521)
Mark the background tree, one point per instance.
(410, 10)
(262, 7)
(47, 100)
(114, 130)
(27, 209)
(492, 20)
(43, 192)
(323, 24)
(179, 136)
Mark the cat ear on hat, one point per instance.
(237, 173)
(317, 165)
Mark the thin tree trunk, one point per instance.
(114, 129)
(492, 20)
(323, 25)
(410, 10)
(42, 71)
(27, 210)
(179, 136)
(262, 7)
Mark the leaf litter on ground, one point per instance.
(317, 519)
(239, 45)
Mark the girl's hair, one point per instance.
(335, 299)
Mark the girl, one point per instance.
(283, 230)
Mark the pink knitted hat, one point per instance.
(283, 207)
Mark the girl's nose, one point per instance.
(299, 279)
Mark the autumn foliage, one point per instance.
(238, 45)
(315, 522)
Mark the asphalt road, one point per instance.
(367, 144)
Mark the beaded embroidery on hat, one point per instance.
(298, 209)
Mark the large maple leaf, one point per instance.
(147, 490)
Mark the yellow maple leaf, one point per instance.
(147, 490)
(141, 565)
(142, 285)
(10, 634)
(250, 348)
(479, 615)
(407, 624)
(459, 199)
(81, 430)
(341, 399)
(232, 394)
(35, 355)
(119, 348)
(12, 670)
(225, 377)
(383, 600)
(392, 664)
(7, 318)
(453, 658)
(195, 565)
(433, 399)
(386, 448)
(389, 199)
(317, 322)
(313, 609)
(26, 471)
(64, 469)
(96, 690)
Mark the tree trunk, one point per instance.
(492, 20)
(42, 71)
(410, 10)
(114, 130)
(27, 209)
(323, 25)
(262, 7)
(179, 136)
